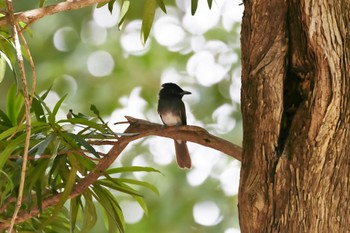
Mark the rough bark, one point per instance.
(295, 105)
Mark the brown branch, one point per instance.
(137, 129)
(187, 133)
(31, 16)
(27, 104)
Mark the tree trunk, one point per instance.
(295, 173)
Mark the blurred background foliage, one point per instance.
(83, 54)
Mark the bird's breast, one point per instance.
(170, 119)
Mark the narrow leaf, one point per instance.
(142, 203)
(4, 120)
(131, 169)
(36, 126)
(110, 6)
(85, 122)
(81, 141)
(39, 198)
(147, 21)
(194, 5)
(38, 110)
(2, 68)
(90, 215)
(115, 185)
(52, 116)
(14, 104)
(64, 196)
(8, 188)
(15, 143)
(140, 183)
(42, 145)
(123, 10)
(42, 3)
(44, 95)
(94, 109)
(6, 59)
(210, 3)
(112, 209)
(73, 213)
(161, 5)
(101, 4)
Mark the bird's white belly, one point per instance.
(170, 119)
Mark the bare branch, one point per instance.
(31, 16)
(137, 129)
(15, 32)
(187, 133)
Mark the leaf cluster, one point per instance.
(149, 11)
(61, 153)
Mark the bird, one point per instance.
(173, 113)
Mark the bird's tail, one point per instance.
(182, 155)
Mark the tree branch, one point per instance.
(187, 133)
(137, 129)
(31, 16)
(27, 104)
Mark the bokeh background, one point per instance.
(83, 54)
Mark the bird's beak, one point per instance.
(185, 93)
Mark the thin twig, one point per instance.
(15, 30)
(32, 65)
(30, 16)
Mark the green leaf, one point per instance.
(86, 163)
(10, 148)
(7, 49)
(42, 3)
(131, 169)
(142, 203)
(210, 3)
(161, 5)
(38, 110)
(81, 141)
(115, 185)
(14, 104)
(90, 215)
(4, 120)
(37, 172)
(147, 21)
(140, 183)
(194, 5)
(74, 209)
(42, 145)
(85, 122)
(94, 109)
(110, 6)
(2, 67)
(36, 126)
(44, 95)
(101, 4)
(123, 10)
(39, 198)
(65, 195)
(9, 186)
(112, 209)
(23, 26)
(52, 116)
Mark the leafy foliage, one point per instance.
(149, 10)
(61, 154)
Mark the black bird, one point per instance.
(173, 113)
